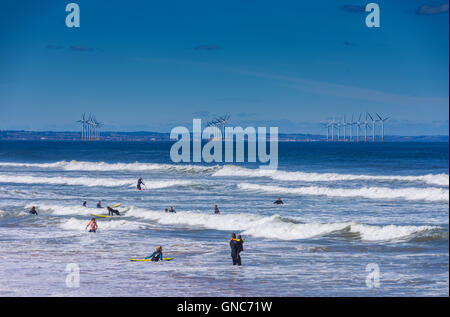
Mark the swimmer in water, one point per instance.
(92, 225)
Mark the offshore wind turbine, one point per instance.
(358, 125)
(373, 127)
(83, 126)
(366, 123)
(344, 124)
(382, 125)
(351, 124)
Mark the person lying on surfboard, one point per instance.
(139, 183)
(112, 212)
(157, 255)
(92, 225)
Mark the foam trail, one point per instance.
(102, 166)
(433, 179)
(428, 194)
(88, 181)
(110, 224)
(276, 227)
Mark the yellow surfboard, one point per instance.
(115, 206)
(148, 260)
(101, 216)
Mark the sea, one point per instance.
(358, 219)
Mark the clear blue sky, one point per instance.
(152, 65)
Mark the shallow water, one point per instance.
(346, 206)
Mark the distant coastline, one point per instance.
(144, 136)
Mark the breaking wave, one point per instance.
(88, 181)
(276, 227)
(429, 194)
(230, 170)
(102, 166)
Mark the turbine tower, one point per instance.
(373, 127)
(382, 126)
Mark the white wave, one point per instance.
(274, 227)
(389, 232)
(109, 224)
(230, 170)
(429, 194)
(102, 166)
(88, 181)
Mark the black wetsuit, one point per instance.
(278, 202)
(216, 210)
(140, 182)
(84, 204)
(33, 212)
(113, 212)
(236, 247)
(99, 205)
(172, 210)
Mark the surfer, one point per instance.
(236, 248)
(166, 210)
(139, 183)
(216, 209)
(112, 212)
(156, 256)
(171, 209)
(85, 203)
(99, 204)
(92, 225)
(278, 201)
(33, 211)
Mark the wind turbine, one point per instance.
(344, 124)
(366, 123)
(83, 126)
(351, 124)
(358, 125)
(326, 125)
(382, 125)
(373, 127)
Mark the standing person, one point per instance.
(33, 211)
(216, 209)
(139, 183)
(166, 210)
(235, 247)
(112, 212)
(99, 204)
(278, 201)
(85, 203)
(157, 255)
(92, 225)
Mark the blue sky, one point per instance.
(152, 65)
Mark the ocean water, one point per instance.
(348, 208)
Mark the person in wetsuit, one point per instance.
(112, 212)
(85, 203)
(92, 226)
(33, 211)
(139, 183)
(99, 204)
(216, 209)
(278, 201)
(171, 209)
(236, 248)
(157, 255)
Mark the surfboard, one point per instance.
(148, 260)
(101, 216)
(115, 206)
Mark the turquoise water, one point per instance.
(346, 206)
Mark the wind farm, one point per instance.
(90, 128)
(364, 122)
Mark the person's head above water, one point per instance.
(93, 219)
(159, 249)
